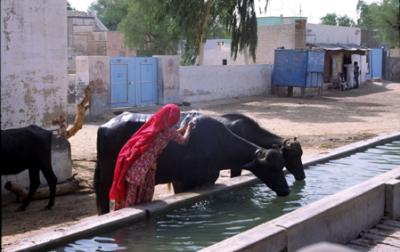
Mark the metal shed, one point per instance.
(298, 68)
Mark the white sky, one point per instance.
(313, 9)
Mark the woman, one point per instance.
(135, 169)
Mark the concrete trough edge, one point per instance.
(93, 224)
(352, 148)
(314, 222)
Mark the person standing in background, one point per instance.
(356, 72)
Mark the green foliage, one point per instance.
(384, 18)
(110, 12)
(69, 7)
(334, 19)
(345, 21)
(195, 17)
(148, 30)
(329, 19)
(156, 26)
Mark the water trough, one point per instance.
(369, 197)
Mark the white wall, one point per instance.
(330, 34)
(33, 62)
(270, 37)
(207, 83)
(216, 50)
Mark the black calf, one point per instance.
(28, 148)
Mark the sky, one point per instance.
(313, 9)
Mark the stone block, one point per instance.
(392, 198)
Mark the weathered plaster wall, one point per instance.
(168, 79)
(33, 62)
(97, 69)
(207, 83)
(330, 34)
(272, 37)
(84, 38)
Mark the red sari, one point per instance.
(134, 174)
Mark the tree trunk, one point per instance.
(203, 33)
(80, 111)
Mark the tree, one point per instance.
(195, 17)
(345, 21)
(329, 19)
(148, 31)
(384, 18)
(334, 19)
(110, 12)
(69, 7)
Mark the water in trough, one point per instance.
(211, 220)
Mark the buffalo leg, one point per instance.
(102, 185)
(34, 178)
(52, 182)
(236, 172)
(178, 187)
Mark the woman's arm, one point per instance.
(183, 134)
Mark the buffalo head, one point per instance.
(268, 167)
(292, 152)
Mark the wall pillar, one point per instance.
(97, 69)
(168, 79)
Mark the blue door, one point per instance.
(133, 81)
(315, 68)
(146, 81)
(376, 63)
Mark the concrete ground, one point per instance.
(320, 123)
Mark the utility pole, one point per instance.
(300, 10)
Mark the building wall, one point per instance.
(168, 79)
(392, 69)
(216, 50)
(97, 69)
(208, 83)
(330, 34)
(84, 39)
(33, 62)
(116, 47)
(272, 37)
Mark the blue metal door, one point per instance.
(376, 63)
(133, 81)
(290, 68)
(122, 88)
(315, 68)
(146, 81)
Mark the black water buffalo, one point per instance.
(211, 148)
(251, 131)
(29, 148)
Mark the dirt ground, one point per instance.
(320, 123)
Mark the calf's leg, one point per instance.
(34, 182)
(52, 182)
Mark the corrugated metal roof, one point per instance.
(338, 47)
